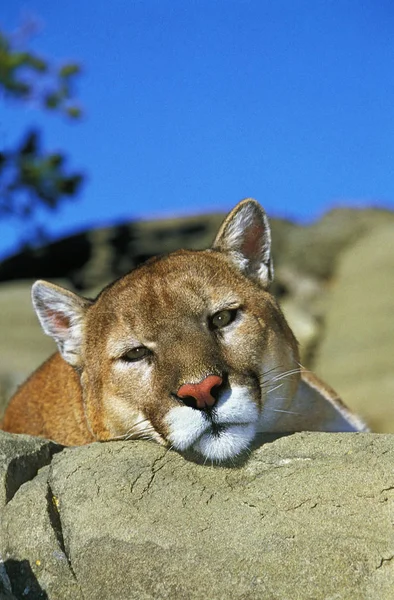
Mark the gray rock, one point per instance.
(94, 257)
(308, 516)
(20, 458)
(4, 595)
(305, 327)
(5, 583)
(32, 544)
(357, 352)
(315, 249)
(23, 346)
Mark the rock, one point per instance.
(357, 351)
(315, 249)
(4, 595)
(308, 516)
(303, 306)
(34, 554)
(92, 258)
(305, 327)
(20, 458)
(23, 346)
(5, 583)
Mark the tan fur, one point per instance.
(166, 306)
(49, 404)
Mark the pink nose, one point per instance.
(201, 392)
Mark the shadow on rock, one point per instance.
(23, 582)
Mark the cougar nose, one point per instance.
(201, 392)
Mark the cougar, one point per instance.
(189, 350)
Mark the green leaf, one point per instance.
(38, 64)
(55, 161)
(69, 70)
(74, 112)
(52, 100)
(29, 144)
(70, 185)
(31, 178)
(18, 88)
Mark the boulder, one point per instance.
(21, 456)
(307, 516)
(92, 258)
(23, 346)
(356, 353)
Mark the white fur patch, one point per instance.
(236, 406)
(243, 219)
(229, 432)
(186, 426)
(240, 260)
(228, 443)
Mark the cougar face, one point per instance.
(185, 349)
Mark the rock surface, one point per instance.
(23, 347)
(21, 456)
(356, 354)
(308, 516)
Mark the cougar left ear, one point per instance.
(245, 236)
(61, 314)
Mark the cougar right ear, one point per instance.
(61, 314)
(245, 236)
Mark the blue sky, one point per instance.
(192, 105)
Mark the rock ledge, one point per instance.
(308, 516)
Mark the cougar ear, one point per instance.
(245, 236)
(61, 314)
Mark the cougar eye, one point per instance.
(222, 318)
(136, 354)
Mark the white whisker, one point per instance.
(271, 370)
(142, 429)
(290, 412)
(275, 388)
(133, 427)
(286, 374)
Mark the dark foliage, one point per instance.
(31, 178)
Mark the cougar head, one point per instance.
(187, 348)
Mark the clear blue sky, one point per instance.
(192, 105)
